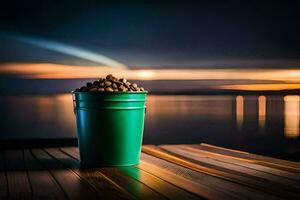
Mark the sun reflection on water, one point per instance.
(167, 116)
(261, 113)
(291, 116)
(239, 112)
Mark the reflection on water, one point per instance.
(261, 113)
(239, 112)
(291, 113)
(261, 124)
(37, 116)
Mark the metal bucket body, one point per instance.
(109, 127)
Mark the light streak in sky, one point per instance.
(70, 50)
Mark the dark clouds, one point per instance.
(169, 31)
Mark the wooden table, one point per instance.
(165, 172)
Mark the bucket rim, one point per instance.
(107, 92)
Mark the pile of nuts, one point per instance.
(110, 84)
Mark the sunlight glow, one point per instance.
(289, 78)
(146, 74)
(57, 71)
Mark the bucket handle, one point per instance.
(74, 103)
(74, 107)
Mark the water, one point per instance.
(261, 124)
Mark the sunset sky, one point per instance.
(213, 41)
(148, 34)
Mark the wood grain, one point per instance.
(41, 178)
(208, 159)
(262, 160)
(18, 183)
(133, 186)
(104, 187)
(154, 182)
(218, 185)
(73, 186)
(165, 172)
(3, 178)
(229, 175)
(241, 162)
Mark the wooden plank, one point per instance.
(18, 183)
(74, 153)
(168, 190)
(29, 143)
(104, 187)
(241, 190)
(73, 186)
(237, 169)
(241, 162)
(71, 151)
(226, 175)
(64, 159)
(156, 183)
(41, 178)
(278, 185)
(163, 187)
(3, 178)
(191, 186)
(196, 188)
(253, 158)
(216, 184)
(136, 188)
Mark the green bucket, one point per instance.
(109, 127)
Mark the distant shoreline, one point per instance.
(189, 93)
(13, 86)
